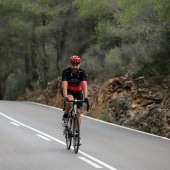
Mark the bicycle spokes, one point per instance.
(76, 134)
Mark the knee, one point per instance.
(70, 97)
(79, 112)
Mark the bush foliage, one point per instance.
(112, 37)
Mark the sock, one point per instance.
(65, 115)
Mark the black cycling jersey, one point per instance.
(74, 79)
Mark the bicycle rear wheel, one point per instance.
(76, 134)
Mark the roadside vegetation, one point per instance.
(113, 37)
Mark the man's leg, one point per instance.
(79, 116)
(79, 119)
(79, 96)
(67, 108)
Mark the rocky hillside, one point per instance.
(139, 103)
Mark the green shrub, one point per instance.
(159, 65)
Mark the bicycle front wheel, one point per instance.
(76, 133)
(68, 139)
(68, 136)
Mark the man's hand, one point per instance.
(87, 102)
(65, 99)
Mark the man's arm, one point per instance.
(64, 83)
(85, 92)
(85, 89)
(64, 86)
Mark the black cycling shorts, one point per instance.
(78, 95)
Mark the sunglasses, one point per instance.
(75, 64)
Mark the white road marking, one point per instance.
(90, 162)
(96, 160)
(59, 141)
(105, 122)
(15, 124)
(43, 137)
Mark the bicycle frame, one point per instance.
(73, 128)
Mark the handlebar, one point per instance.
(76, 101)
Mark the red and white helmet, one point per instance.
(75, 59)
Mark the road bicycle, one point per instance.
(72, 130)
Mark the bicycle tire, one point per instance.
(76, 133)
(68, 136)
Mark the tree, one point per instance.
(9, 43)
(144, 23)
(115, 36)
(103, 13)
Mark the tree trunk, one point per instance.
(44, 63)
(28, 71)
(59, 47)
(1, 90)
(34, 74)
(3, 79)
(44, 56)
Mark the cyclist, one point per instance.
(74, 85)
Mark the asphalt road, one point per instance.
(31, 139)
